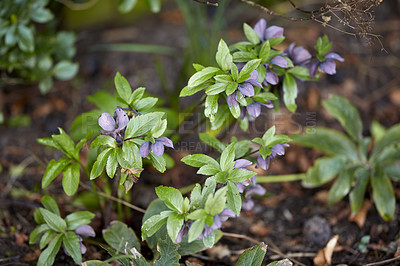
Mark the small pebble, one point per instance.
(317, 231)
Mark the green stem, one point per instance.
(280, 178)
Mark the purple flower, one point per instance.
(278, 149)
(157, 147)
(218, 220)
(254, 109)
(265, 33)
(270, 76)
(83, 231)
(241, 164)
(298, 55)
(254, 189)
(114, 126)
(246, 88)
(183, 232)
(328, 66)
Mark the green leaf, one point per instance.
(74, 220)
(187, 91)
(70, 180)
(241, 148)
(168, 253)
(216, 88)
(243, 56)
(341, 186)
(235, 111)
(264, 52)
(276, 41)
(66, 143)
(357, 194)
(198, 160)
(323, 45)
(211, 106)
(267, 137)
(112, 163)
(240, 175)
(37, 232)
(393, 170)
(234, 71)
(247, 69)
(142, 124)
(299, 72)
(53, 169)
(234, 200)
(202, 76)
(251, 34)
(46, 238)
(42, 15)
(174, 225)
(26, 40)
(392, 136)
(155, 5)
(195, 197)
(104, 140)
(253, 256)
(125, 6)
(324, 170)
(344, 111)
(215, 204)
(223, 56)
(377, 130)
(73, 246)
(132, 154)
(383, 192)
(145, 104)
(54, 221)
(159, 128)
(48, 142)
(171, 197)
(136, 95)
(120, 236)
(158, 162)
(195, 229)
(231, 87)
(65, 70)
(48, 255)
(290, 92)
(99, 164)
(227, 157)
(124, 90)
(212, 141)
(208, 169)
(154, 223)
(328, 141)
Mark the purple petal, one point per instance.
(313, 69)
(166, 141)
(247, 204)
(83, 248)
(207, 230)
(240, 163)
(329, 66)
(254, 83)
(254, 109)
(85, 231)
(300, 55)
(240, 187)
(255, 190)
(273, 32)
(240, 65)
(278, 149)
(231, 100)
(145, 149)
(268, 104)
(271, 77)
(217, 222)
(106, 121)
(260, 27)
(225, 214)
(279, 61)
(246, 89)
(263, 163)
(158, 148)
(182, 233)
(122, 118)
(334, 56)
(253, 75)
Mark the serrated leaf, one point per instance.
(240, 175)
(121, 237)
(159, 128)
(227, 157)
(53, 169)
(251, 34)
(247, 69)
(158, 162)
(171, 197)
(215, 204)
(202, 76)
(145, 104)
(168, 253)
(198, 160)
(223, 56)
(174, 225)
(208, 169)
(99, 164)
(195, 197)
(132, 154)
(154, 223)
(73, 246)
(54, 221)
(212, 141)
(195, 229)
(48, 255)
(66, 143)
(233, 198)
(253, 256)
(142, 124)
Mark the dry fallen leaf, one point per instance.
(21, 239)
(259, 229)
(324, 256)
(361, 215)
(219, 251)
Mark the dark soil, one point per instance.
(369, 78)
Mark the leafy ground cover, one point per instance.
(284, 219)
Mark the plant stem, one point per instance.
(280, 178)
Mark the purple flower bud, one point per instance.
(246, 89)
(231, 100)
(273, 32)
(241, 163)
(279, 61)
(254, 109)
(255, 190)
(271, 77)
(217, 222)
(158, 148)
(85, 231)
(106, 122)
(83, 248)
(121, 118)
(145, 149)
(166, 142)
(247, 204)
(182, 233)
(225, 214)
(313, 69)
(279, 149)
(263, 163)
(260, 27)
(334, 56)
(298, 55)
(328, 66)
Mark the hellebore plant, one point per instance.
(248, 75)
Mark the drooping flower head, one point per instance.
(82, 231)
(270, 76)
(328, 66)
(114, 126)
(253, 189)
(299, 55)
(277, 149)
(246, 87)
(157, 147)
(265, 33)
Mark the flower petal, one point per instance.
(122, 117)
(279, 61)
(226, 213)
(255, 190)
(278, 149)
(106, 121)
(83, 248)
(329, 66)
(217, 222)
(240, 163)
(85, 231)
(145, 149)
(268, 104)
(247, 204)
(260, 27)
(158, 148)
(254, 109)
(313, 69)
(271, 77)
(334, 56)
(253, 75)
(273, 32)
(263, 163)
(231, 100)
(240, 187)
(246, 89)
(300, 55)
(166, 141)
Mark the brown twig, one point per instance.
(275, 250)
(383, 261)
(206, 3)
(129, 205)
